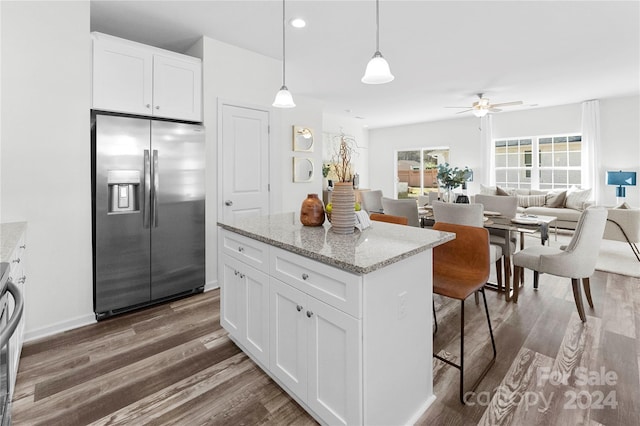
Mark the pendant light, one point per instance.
(377, 71)
(283, 97)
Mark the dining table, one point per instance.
(505, 226)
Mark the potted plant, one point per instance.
(452, 177)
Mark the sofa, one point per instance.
(623, 224)
(565, 204)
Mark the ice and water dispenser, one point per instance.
(124, 191)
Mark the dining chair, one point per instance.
(380, 217)
(470, 215)
(371, 201)
(460, 268)
(507, 206)
(576, 261)
(406, 208)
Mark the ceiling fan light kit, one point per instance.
(283, 97)
(483, 106)
(378, 71)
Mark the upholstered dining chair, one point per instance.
(576, 261)
(460, 268)
(400, 220)
(406, 208)
(507, 207)
(470, 215)
(371, 201)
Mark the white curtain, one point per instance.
(488, 151)
(590, 144)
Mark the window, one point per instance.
(417, 172)
(540, 162)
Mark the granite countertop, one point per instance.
(361, 252)
(10, 234)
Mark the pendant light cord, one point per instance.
(377, 25)
(284, 55)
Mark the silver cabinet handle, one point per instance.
(235, 272)
(309, 314)
(228, 203)
(23, 247)
(241, 275)
(16, 260)
(157, 107)
(240, 249)
(305, 277)
(299, 308)
(148, 105)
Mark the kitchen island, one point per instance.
(342, 322)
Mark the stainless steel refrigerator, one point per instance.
(148, 211)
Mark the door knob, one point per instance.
(228, 203)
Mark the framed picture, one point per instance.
(302, 169)
(302, 139)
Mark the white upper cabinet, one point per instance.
(134, 78)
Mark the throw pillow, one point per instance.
(555, 199)
(501, 191)
(576, 198)
(487, 190)
(531, 200)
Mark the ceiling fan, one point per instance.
(482, 106)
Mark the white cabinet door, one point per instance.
(122, 77)
(231, 298)
(177, 88)
(255, 285)
(245, 306)
(288, 361)
(334, 373)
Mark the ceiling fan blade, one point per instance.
(494, 109)
(457, 107)
(466, 110)
(504, 104)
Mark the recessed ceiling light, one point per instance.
(297, 23)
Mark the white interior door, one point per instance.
(245, 162)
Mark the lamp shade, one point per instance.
(378, 71)
(621, 178)
(284, 99)
(480, 112)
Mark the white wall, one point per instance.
(620, 136)
(232, 74)
(46, 165)
(334, 125)
(462, 136)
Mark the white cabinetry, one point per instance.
(350, 348)
(133, 78)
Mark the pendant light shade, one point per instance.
(378, 71)
(283, 97)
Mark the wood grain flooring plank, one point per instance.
(618, 312)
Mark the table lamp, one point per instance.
(621, 179)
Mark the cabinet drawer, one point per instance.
(252, 252)
(333, 286)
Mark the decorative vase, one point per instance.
(343, 215)
(312, 211)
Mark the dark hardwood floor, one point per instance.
(174, 364)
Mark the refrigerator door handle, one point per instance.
(146, 204)
(155, 170)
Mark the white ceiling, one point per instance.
(441, 52)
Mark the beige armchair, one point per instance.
(624, 225)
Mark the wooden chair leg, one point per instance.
(435, 320)
(577, 295)
(477, 298)
(587, 291)
(536, 274)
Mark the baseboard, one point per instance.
(59, 327)
(212, 285)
